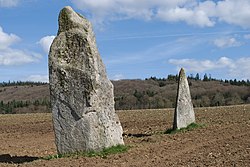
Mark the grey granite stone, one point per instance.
(184, 112)
(82, 97)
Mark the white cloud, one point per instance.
(194, 12)
(208, 7)
(46, 42)
(234, 12)
(8, 3)
(241, 68)
(117, 77)
(178, 10)
(201, 66)
(226, 42)
(38, 78)
(17, 57)
(192, 17)
(7, 39)
(11, 56)
(235, 68)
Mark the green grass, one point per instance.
(104, 153)
(182, 130)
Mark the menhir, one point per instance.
(82, 97)
(184, 112)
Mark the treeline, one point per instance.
(21, 83)
(209, 78)
(150, 93)
(9, 107)
(161, 92)
(205, 78)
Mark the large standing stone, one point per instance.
(81, 95)
(184, 112)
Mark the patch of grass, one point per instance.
(104, 153)
(182, 130)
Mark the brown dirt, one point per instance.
(223, 141)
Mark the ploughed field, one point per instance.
(224, 140)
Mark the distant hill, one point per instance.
(152, 92)
(161, 93)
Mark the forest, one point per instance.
(149, 93)
(161, 92)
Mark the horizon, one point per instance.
(135, 40)
(190, 76)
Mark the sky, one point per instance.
(136, 39)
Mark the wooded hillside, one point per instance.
(22, 97)
(161, 93)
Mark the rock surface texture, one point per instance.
(81, 95)
(184, 112)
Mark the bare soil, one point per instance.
(224, 140)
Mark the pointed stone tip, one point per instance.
(68, 8)
(182, 72)
(69, 19)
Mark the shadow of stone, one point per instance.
(7, 158)
(136, 135)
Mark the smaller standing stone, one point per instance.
(184, 112)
